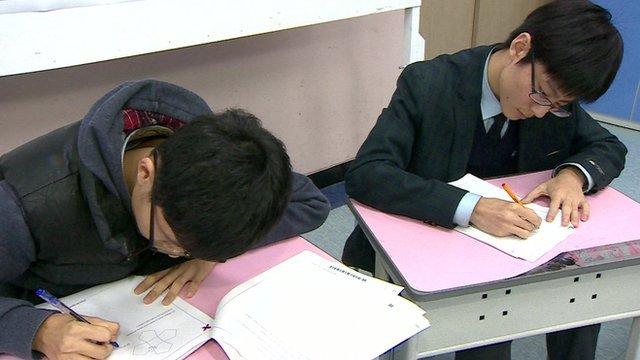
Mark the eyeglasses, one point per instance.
(541, 98)
(184, 253)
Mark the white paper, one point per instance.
(539, 243)
(311, 308)
(151, 331)
(306, 307)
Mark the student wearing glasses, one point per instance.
(491, 111)
(150, 182)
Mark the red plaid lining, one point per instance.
(135, 119)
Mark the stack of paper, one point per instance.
(539, 243)
(310, 308)
(307, 307)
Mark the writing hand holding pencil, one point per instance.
(504, 218)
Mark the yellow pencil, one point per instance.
(507, 188)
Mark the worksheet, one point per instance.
(310, 308)
(151, 331)
(306, 307)
(531, 249)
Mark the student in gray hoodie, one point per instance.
(150, 182)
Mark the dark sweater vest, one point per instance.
(490, 160)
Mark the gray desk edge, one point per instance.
(418, 295)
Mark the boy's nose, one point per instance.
(539, 110)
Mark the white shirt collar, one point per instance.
(489, 104)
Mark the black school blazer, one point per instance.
(423, 139)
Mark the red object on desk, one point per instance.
(433, 259)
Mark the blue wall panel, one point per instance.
(618, 101)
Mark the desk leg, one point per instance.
(379, 271)
(413, 41)
(406, 350)
(386, 356)
(633, 350)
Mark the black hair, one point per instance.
(223, 181)
(577, 43)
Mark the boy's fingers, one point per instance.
(160, 287)
(554, 207)
(524, 224)
(520, 232)
(91, 332)
(77, 357)
(193, 288)
(149, 281)
(534, 194)
(529, 215)
(586, 210)
(566, 213)
(540, 190)
(174, 290)
(168, 299)
(113, 327)
(575, 217)
(93, 350)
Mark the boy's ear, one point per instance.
(146, 172)
(520, 47)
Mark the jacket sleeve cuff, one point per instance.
(465, 208)
(24, 322)
(588, 186)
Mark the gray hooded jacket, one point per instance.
(98, 141)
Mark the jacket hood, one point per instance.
(101, 136)
(101, 140)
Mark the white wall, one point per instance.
(319, 88)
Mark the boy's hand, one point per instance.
(502, 218)
(62, 337)
(565, 192)
(190, 274)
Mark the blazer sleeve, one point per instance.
(597, 150)
(379, 177)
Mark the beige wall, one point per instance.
(495, 19)
(446, 26)
(452, 25)
(318, 88)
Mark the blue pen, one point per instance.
(65, 309)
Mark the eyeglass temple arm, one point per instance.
(533, 80)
